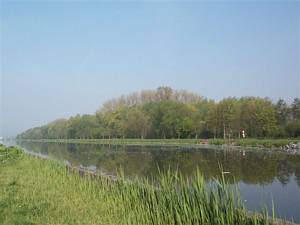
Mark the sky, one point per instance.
(60, 58)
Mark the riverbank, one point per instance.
(37, 191)
(285, 145)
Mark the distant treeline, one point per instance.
(168, 113)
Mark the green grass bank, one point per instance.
(38, 191)
(247, 142)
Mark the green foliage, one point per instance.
(137, 123)
(217, 141)
(282, 112)
(293, 128)
(167, 113)
(8, 154)
(295, 109)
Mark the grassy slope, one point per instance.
(36, 191)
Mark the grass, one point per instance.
(247, 142)
(37, 191)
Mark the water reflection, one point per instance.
(249, 167)
(262, 176)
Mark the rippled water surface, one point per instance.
(262, 176)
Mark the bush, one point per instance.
(293, 129)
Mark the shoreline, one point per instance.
(274, 145)
(40, 176)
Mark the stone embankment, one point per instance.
(291, 148)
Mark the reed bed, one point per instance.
(36, 191)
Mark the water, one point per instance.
(262, 176)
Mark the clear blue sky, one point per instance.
(61, 58)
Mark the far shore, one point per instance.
(270, 144)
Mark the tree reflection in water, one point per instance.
(250, 167)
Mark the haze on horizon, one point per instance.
(63, 58)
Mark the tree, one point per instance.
(137, 123)
(258, 117)
(114, 122)
(176, 119)
(282, 112)
(295, 109)
(228, 108)
(293, 128)
(201, 117)
(168, 113)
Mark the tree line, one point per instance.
(168, 113)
